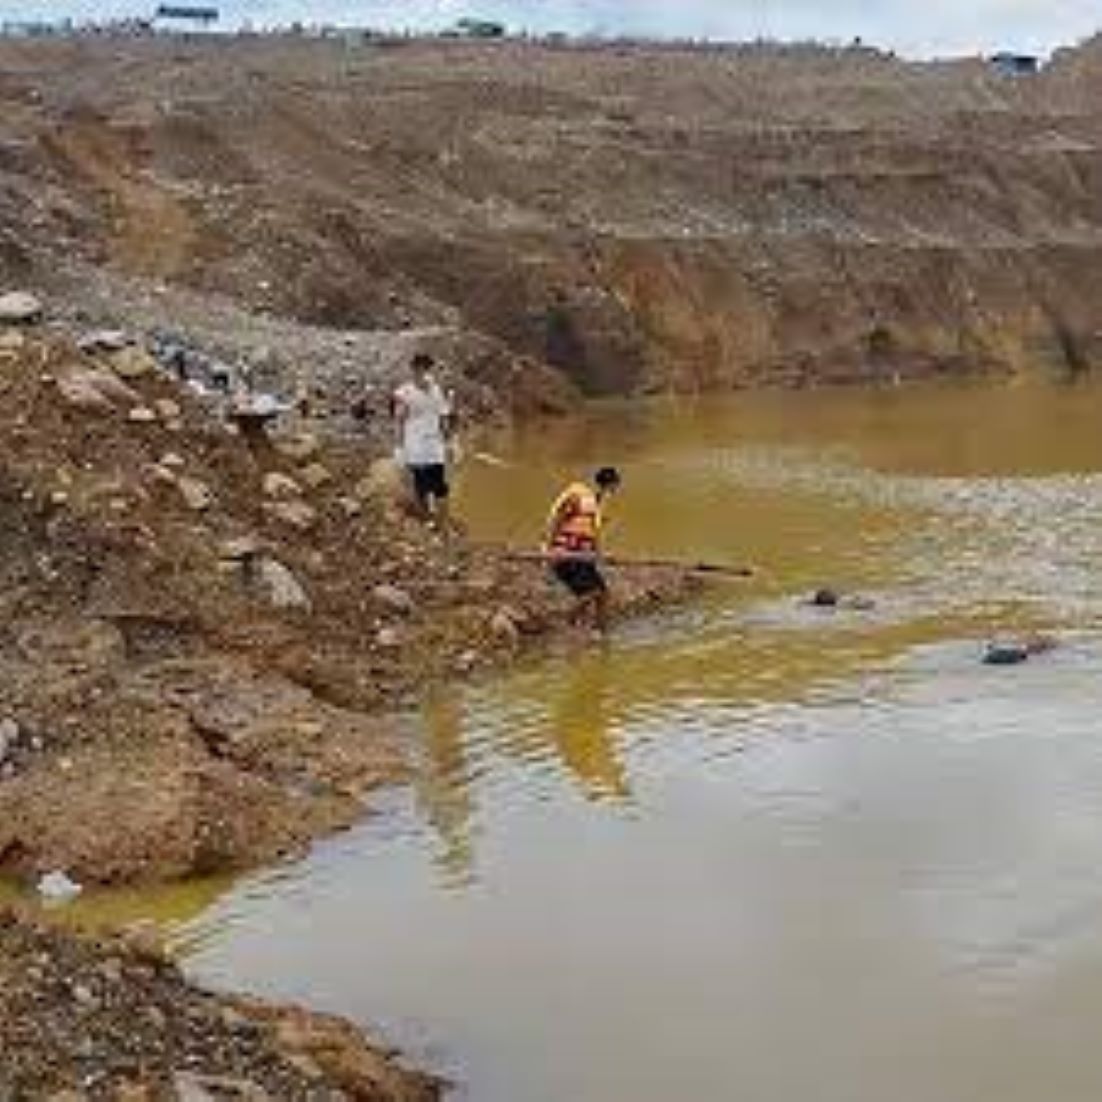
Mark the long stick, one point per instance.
(610, 560)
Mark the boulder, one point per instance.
(393, 599)
(19, 308)
(103, 340)
(168, 410)
(315, 476)
(197, 495)
(1005, 654)
(95, 389)
(11, 342)
(281, 486)
(132, 363)
(1013, 652)
(240, 549)
(504, 628)
(281, 588)
(296, 514)
(300, 448)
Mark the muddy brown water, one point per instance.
(752, 850)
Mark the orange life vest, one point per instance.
(574, 523)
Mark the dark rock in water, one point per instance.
(1006, 654)
(1015, 652)
(825, 598)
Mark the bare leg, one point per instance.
(601, 611)
(442, 516)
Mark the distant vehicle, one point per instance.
(480, 28)
(1016, 65)
(185, 15)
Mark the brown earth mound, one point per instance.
(640, 218)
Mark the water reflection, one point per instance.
(581, 725)
(444, 791)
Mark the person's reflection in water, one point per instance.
(582, 720)
(444, 785)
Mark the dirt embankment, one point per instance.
(638, 218)
(200, 640)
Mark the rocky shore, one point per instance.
(111, 1019)
(205, 638)
(208, 638)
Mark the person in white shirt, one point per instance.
(423, 414)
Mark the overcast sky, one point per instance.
(917, 27)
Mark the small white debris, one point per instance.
(58, 887)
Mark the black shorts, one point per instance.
(430, 481)
(580, 576)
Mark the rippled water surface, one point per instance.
(752, 851)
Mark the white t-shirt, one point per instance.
(423, 443)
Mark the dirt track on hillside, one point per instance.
(638, 219)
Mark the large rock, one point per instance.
(315, 476)
(280, 587)
(19, 308)
(504, 629)
(300, 448)
(11, 342)
(95, 389)
(133, 363)
(281, 487)
(393, 599)
(103, 340)
(197, 495)
(296, 514)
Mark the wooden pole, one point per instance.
(721, 569)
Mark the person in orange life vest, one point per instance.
(573, 544)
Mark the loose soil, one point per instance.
(112, 1019)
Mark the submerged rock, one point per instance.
(1015, 652)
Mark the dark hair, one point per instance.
(607, 476)
(422, 360)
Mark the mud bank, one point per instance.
(111, 1019)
